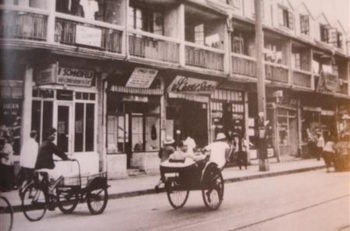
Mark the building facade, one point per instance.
(116, 77)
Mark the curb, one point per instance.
(17, 208)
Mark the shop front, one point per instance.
(133, 120)
(188, 109)
(283, 124)
(64, 96)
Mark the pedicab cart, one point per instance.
(184, 175)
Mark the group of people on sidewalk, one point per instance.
(335, 152)
(32, 156)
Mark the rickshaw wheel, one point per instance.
(67, 200)
(213, 194)
(177, 197)
(97, 200)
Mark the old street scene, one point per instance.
(175, 115)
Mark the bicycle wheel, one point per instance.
(6, 214)
(97, 200)
(213, 194)
(177, 196)
(67, 200)
(34, 203)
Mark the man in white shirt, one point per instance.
(219, 150)
(29, 153)
(320, 144)
(191, 145)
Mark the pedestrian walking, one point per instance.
(28, 157)
(319, 145)
(164, 153)
(329, 151)
(6, 165)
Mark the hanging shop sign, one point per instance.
(54, 74)
(11, 89)
(141, 77)
(88, 36)
(328, 83)
(192, 85)
(135, 98)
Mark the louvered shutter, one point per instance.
(333, 36)
(290, 20)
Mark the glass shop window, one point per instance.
(84, 127)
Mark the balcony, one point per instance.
(276, 72)
(243, 65)
(155, 47)
(204, 57)
(302, 79)
(23, 23)
(76, 31)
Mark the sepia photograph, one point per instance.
(166, 115)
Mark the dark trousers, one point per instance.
(319, 152)
(25, 174)
(328, 158)
(242, 159)
(6, 177)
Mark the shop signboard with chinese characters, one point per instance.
(182, 84)
(141, 78)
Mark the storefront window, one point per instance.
(42, 114)
(142, 119)
(99, 10)
(84, 127)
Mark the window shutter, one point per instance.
(290, 20)
(280, 16)
(332, 35)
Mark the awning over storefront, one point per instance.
(189, 97)
(138, 91)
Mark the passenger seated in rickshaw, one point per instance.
(188, 165)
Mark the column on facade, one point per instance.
(27, 104)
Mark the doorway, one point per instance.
(64, 126)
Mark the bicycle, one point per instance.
(65, 193)
(6, 214)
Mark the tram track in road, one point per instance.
(261, 221)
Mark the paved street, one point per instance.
(305, 201)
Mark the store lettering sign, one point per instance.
(185, 84)
(88, 36)
(75, 76)
(47, 75)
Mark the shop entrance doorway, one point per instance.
(64, 126)
(191, 120)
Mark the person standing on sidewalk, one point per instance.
(28, 157)
(6, 165)
(164, 153)
(329, 151)
(319, 145)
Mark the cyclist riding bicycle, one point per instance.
(45, 155)
(219, 151)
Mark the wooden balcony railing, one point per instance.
(204, 57)
(302, 79)
(106, 37)
(243, 65)
(151, 46)
(23, 23)
(276, 72)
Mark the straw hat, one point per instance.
(220, 136)
(169, 140)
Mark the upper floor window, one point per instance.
(286, 18)
(146, 19)
(324, 33)
(305, 24)
(100, 10)
(40, 4)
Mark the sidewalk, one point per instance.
(141, 185)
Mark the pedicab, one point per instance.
(184, 175)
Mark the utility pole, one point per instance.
(260, 74)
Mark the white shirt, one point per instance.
(29, 153)
(320, 142)
(329, 147)
(8, 151)
(217, 152)
(191, 144)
